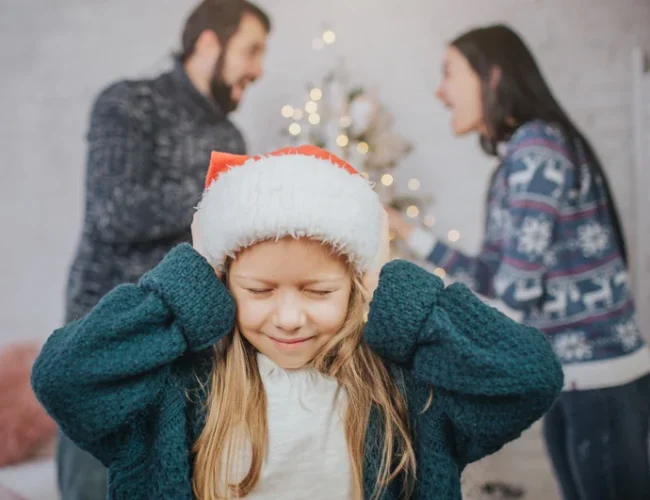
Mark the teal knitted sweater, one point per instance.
(123, 382)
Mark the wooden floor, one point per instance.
(521, 463)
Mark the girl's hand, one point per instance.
(197, 242)
(370, 280)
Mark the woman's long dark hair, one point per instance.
(520, 96)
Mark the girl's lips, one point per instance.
(288, 343)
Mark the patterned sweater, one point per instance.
(149, 145)
(124, 382)
(549, 251)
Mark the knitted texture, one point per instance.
(550, 251)
(149, 146)
(120, 381)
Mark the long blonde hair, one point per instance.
(237, 396)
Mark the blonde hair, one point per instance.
(237, 396)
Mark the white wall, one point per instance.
(54, 57)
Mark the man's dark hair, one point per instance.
(220, 16)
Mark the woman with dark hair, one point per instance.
(554, 250)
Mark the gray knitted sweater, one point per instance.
(149, 147)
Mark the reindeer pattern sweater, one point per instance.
(549, 251)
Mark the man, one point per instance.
(149, 148)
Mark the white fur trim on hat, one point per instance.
(290, 195)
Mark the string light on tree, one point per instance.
(329, 37)
(295, 129)
(351, 121)
(387, 180)
(429, 220)
(414, 184)
(453, 235)
(440, 272)
(412, 211)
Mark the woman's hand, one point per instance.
(398, 225)
(197, 243)
(370, 280)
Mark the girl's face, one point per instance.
(292, 296)
(460, 92)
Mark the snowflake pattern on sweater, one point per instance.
(549, 250)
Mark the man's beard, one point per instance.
(220, 91)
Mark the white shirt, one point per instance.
(307, 454)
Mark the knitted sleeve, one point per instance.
(539, 174)
(128, 198)
(476, 272)
(95, 375)
(492, 376)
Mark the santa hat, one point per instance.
(300, 192)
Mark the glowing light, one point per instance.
(295, 128)
(311, 107)
(387, 179)
(363, 148)
(329, 37)
(345, 121)
(414, 184)
(453, 235)
(412, 211)
(287, 111)
(429, 220)
(316, 94)
(440, 272)
(342, 140)
(314, 118)
(365, 175)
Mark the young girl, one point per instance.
(244, 366)
(553, 250)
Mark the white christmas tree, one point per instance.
(353, 123)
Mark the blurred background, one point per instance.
(55, 56)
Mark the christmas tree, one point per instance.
(351, 122)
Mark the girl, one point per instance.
(242, 367)
(553, 250)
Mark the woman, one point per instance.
(554, 250)
(244, 366)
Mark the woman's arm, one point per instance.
(476, 271)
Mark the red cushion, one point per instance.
(25, 427)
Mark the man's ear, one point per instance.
(208, 44)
